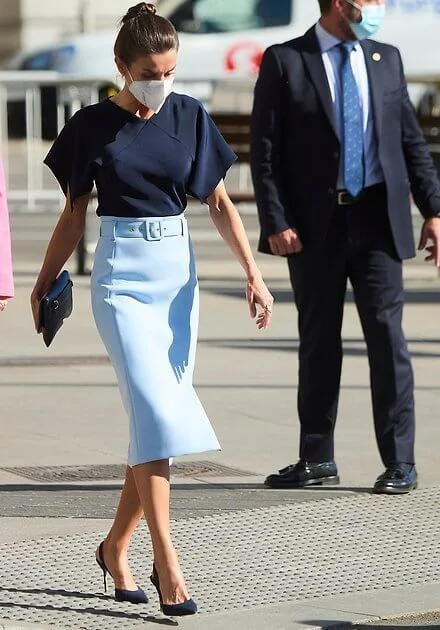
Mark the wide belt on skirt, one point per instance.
(149, 229)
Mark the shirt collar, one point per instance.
(327, 41)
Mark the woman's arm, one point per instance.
(230, 227)
(66, 236)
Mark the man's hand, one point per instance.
(286, 242)
(431, 233)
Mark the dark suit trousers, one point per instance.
(358, 247)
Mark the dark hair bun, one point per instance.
(139, 9)
(143, 32)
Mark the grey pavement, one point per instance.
(254, 558)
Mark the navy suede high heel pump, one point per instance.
(121, 595)
(188, 607)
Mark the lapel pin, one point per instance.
(376, 56)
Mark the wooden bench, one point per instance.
(235, 129)
(431, 127)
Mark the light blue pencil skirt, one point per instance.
(146, 306)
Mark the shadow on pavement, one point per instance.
(200, 486)
(57, 487)
(351, 347)
(346, 625)
(240, 386)
(51, 591)
(88, 611)
(283, 296)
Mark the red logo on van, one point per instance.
(241, 53)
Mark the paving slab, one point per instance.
(422, 621)
(345, 554)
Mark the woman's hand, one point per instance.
(3, 303)
(36, 296)
(65, 238)
(230, 227)
(258, 294)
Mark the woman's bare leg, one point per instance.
(153, 485)
(117, 541)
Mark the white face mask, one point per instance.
(151, 93)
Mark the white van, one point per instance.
(224, 39)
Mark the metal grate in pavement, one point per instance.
(237, 561)
(208, 469)
(117, 471)
(68, 473)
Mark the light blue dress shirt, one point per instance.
(332, 62)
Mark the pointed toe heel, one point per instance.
(133, 597)
(121, 595)
(180, 610)
(188, 607)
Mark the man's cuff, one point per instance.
(276, 227)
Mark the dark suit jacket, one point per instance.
(295, 148)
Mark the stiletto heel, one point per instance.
(121, 595)
(100, 560)
(188, 607)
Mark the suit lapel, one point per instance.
(311, 54)
(374, 64)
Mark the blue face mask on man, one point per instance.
(372, 16)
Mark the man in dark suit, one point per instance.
(335, 151)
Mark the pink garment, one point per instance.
(6, 280)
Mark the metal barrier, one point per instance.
(26, 185)
(24, 91)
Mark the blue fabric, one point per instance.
(331, 53)
(141, 168)
(353, 135)
(145, 302)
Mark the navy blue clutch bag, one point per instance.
(56, 306)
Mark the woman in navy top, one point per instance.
(146, 150)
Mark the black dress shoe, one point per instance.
(304, 474)
(397, 479)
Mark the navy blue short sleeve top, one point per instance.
(141, 168)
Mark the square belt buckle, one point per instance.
(154, 231)
(344, 198)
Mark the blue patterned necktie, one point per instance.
(353, 134)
